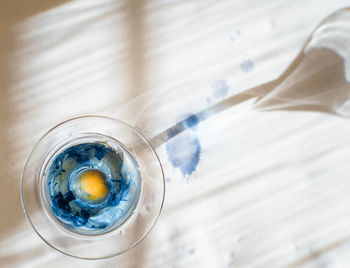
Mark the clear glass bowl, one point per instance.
(94, 245)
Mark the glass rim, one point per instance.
(99, 237)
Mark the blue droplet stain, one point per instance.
(191, 251)
(219, 88)
(184, 149)
(191, 121)
(247, 65)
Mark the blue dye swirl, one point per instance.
(121, 177)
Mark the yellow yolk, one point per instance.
(92, 183)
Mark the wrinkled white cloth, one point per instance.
(259, 189)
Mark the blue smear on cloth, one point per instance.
(191, 251)
(183, 152)
(191, 121)
(186, 121)
(209, 100)
(220, 89)
(247, 65)
(121, 176)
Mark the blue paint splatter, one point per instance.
(191, 121)
(232, 259)
(183, 152)
(183, 149)
(247, 65)
(237, 33)
(186, 121)
(220, 89)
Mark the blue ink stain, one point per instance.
(247, 65)
(231, 259)
(191, 251)
(168, 180)
(183, 152)
(220, 89)
(186, 121)
(191, 121)
(237, 33)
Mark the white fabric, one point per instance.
(271, 189)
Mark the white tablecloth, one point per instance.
(268, 189)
